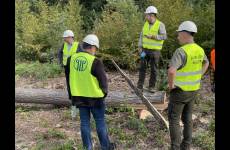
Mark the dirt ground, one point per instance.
(45, 125)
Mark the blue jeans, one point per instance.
(99, 117)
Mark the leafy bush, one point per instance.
(38, 70)
(118, 30)
(39, 27)
(204, 17)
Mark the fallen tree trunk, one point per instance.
(147, 103)
(60, 97)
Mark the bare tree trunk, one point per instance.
(60, 97)
(147, 103)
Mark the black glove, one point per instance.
(105, 95)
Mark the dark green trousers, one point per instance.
(180, 107)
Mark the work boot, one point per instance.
(140, 89)
(112, 146)
(152, 89)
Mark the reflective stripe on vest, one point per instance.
(151, 43)
(188, 78)
(66, 53)
(82, 82)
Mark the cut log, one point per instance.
(60, 97)
(147, 103)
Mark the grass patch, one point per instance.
(206, 139)
(37, 70)
(22, 109)
(56, 145)
(66, 115)
(120, 134)
(138, 125)
(44, 123)
(52, 133)
(56, 134)
(204, 105)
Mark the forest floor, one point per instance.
(46, 127)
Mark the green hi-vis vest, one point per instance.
(188, 78)
(82, 82)
(151, 43)
(66, 53)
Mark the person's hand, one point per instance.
(151, 36)
(139, 50)
(171, 87)
(105, 94)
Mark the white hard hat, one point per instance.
(187, 26)
(92, 40)
(68, 33)
(150, 10)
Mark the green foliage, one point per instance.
(204, 17)
(118, 30)
(205, 141)
(39, 27)
(91, 10)
(38, 70)
(137, 124)
(52, 133)
(22, 109)
(211, 127)
(66, 145)
(56, 134)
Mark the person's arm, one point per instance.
(171, 77)
(162, 35)
(205, 65)
(140, 41)
(67, 75)
(99, 72)
(60, 55)
(177, 61)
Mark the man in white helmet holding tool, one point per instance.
(186, 68)
(89, 87)
(150, 44)
(69, 47)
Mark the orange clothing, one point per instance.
(213, 58)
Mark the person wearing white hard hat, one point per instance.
(89, 87)
(149, 46)
(68, 48)
(188, 64)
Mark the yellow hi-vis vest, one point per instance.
(151, 43)
(82, 82)
(188, 78)
(66, 53)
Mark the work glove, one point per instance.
(105, 95)
(139, 50)
(142, 55)
(73, 112)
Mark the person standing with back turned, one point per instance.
(186, 68)
(89, 87)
